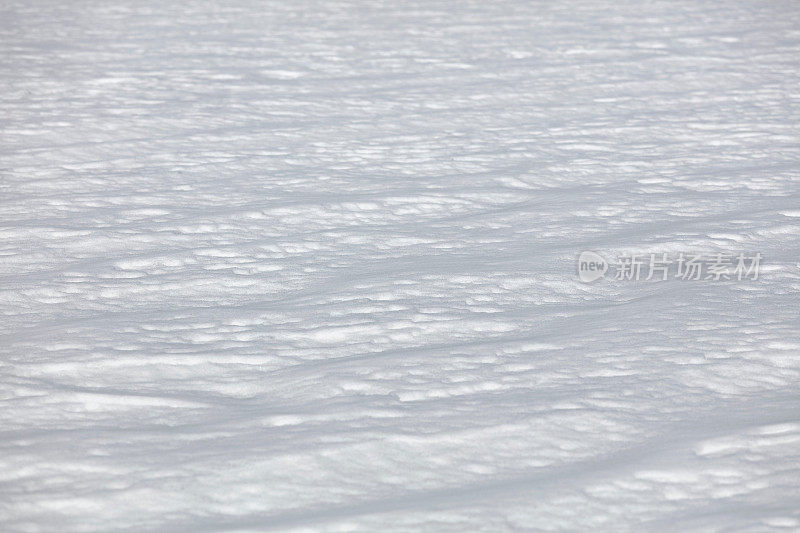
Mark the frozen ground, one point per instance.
(311, 266)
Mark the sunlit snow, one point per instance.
(312, 266)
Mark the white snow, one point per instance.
(311, 266)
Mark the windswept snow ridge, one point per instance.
(311, 266)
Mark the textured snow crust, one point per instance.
(310, 266)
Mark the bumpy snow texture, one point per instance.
(311, 265)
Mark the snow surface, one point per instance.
(310, 266)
